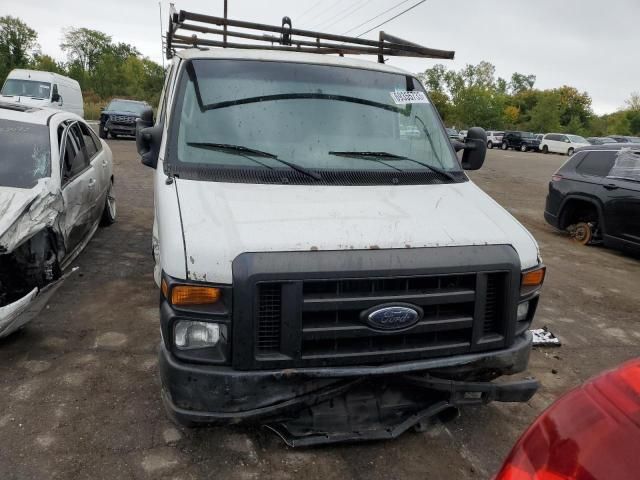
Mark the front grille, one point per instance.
(459, 311)
(269, 317)
(123, 119)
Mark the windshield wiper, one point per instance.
(246, 151)
(393, 156)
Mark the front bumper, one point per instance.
(120, 129)
(299, 403)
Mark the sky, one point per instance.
(589, 44)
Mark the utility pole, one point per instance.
(225, 24)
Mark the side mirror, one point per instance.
(475, 149)
(55, 97)
(148, 138)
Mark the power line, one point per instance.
(392, 18)
(309, 9)
(376, 17)
(350, 10)
(328, 9)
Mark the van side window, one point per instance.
(597, 164)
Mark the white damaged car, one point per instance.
(56, 187)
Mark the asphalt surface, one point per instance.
(79, 387)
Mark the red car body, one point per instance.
(590, 433)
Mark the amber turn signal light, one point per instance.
(533, 278)
(194, 295)
(164, 288)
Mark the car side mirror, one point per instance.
(475, 149)
(55, 97)
(148, 138)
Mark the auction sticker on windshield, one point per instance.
(404, 97)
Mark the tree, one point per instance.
(17, 40)
(85, 46)
(633, 102)
(47, 64)
(545, 116)
(520, 82)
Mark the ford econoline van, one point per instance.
(325, 265)
(43, 89)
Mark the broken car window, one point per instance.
(627, 165)
(25, 154)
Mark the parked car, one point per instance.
(119, 117)
(539, 136)
(453, 134)
(590, 433)
(56, 186)
(595, 196)
(494, 138)
(462, 135)
(523, 141)
(600, 140)
(36, 88)
(269, 314)
(562, 143)
(625, 139)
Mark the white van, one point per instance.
(562, 143)
(317, 240)
(43, 89)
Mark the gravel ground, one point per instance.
(79, 387)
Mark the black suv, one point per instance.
(119, 117)
(523, 141)
(595, 196)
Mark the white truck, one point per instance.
(35, 88)
(325, 265)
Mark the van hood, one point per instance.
(29, 101)
(222, 220)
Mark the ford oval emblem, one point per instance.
(393, 317)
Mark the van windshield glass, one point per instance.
(317, 117)
(26, 154)
(26, 88)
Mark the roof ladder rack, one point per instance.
(210, 31)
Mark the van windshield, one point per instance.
(27, 88)
(255, 114)
(26, 154)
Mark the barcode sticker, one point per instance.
(404, 97)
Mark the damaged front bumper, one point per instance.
(326, 405)
(17, 314)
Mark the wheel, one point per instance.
(490, 144)
(101, 133)
(570, 152)
(110, 210)
(582, 233)
(523, 148)
(505, 146)
(545, 149)
(114, 136)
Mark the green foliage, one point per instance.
(17, 41)
(473, 96)
(104, 69)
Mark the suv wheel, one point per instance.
(545, 149)
(505, 146)
(489, 144)
(101, 132)
(570, 152)
(523, 148)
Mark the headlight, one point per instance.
(189, 334)
(523, 311)
(532, 280)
